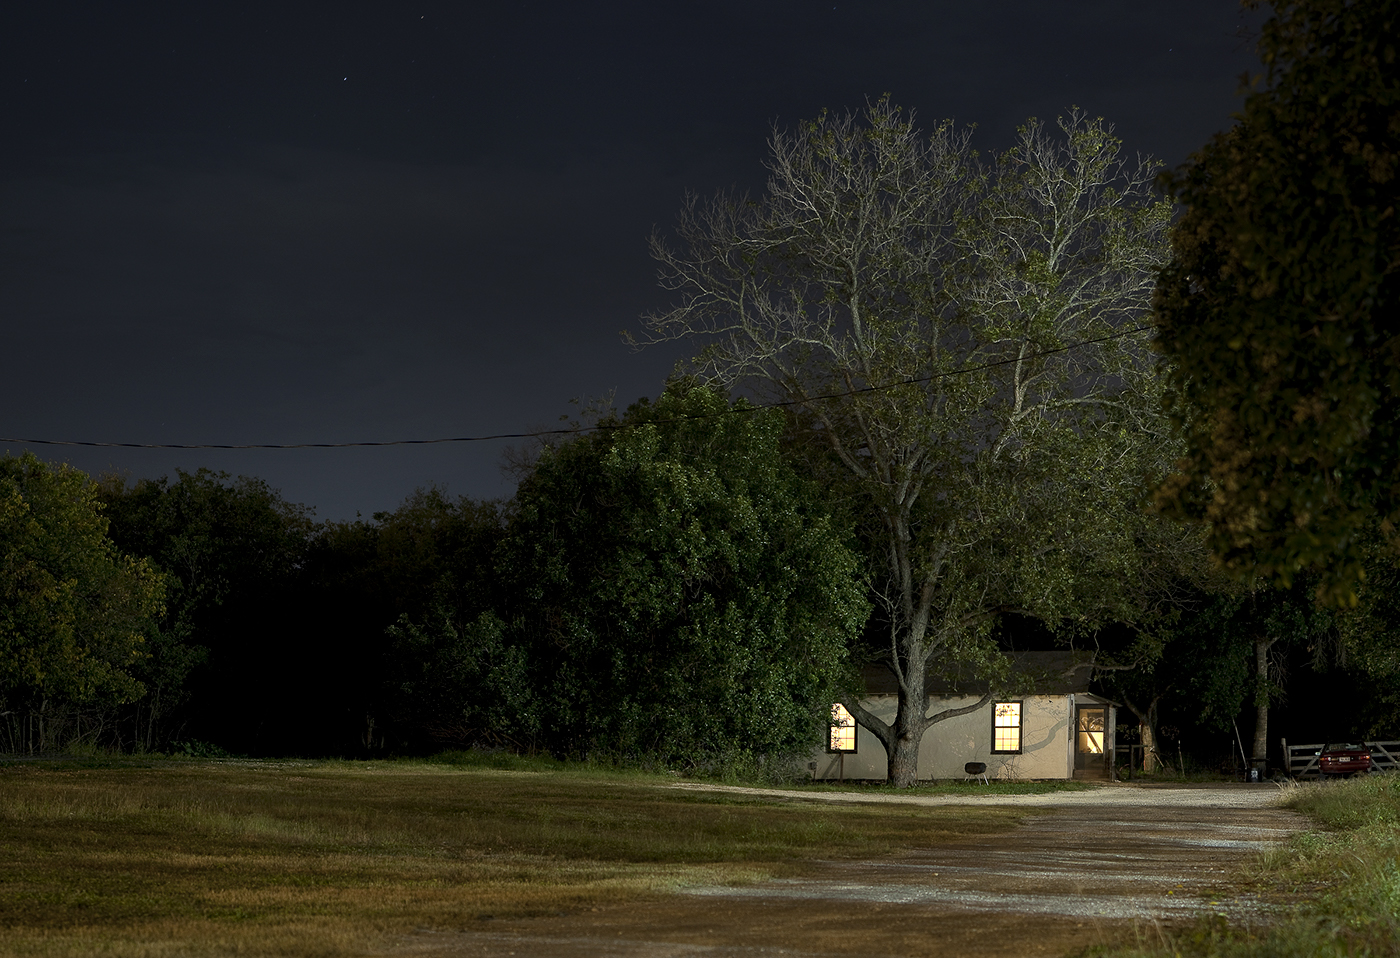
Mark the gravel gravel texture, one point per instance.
(1094, 867)
(1263, 795)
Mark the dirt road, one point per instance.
(1095, 865)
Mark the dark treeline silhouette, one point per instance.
(667, 588)
(671, 590)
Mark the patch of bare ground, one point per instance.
(1094, 868)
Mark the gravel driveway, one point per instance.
(1118, 852)
(1117, 795)
(1097, 865)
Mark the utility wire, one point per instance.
(574, 430)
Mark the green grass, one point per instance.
(185, 857)
(1338, 885)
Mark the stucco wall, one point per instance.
(1047, 743)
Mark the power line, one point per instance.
(574, 430)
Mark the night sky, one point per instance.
(226, 223)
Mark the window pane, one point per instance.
(1006, 727)
(843, 730)
(1008, 713)
(1091, 720)
(1090, 729)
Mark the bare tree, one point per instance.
(963, 340)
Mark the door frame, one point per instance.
(1086, 760)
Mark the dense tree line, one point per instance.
(665, 585)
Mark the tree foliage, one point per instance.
(437, 550)
(75, 612)
(1225, 651)
(676, 589)
(463, 685)
(426, 572)
(1278, 306)
(961, 340)
(232, 550)
(220, 537)
(1367, 652)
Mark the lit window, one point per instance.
(1006, 727)
(1091, 731)
(843, 730)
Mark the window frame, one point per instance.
(1081, 712)
(1020, 726)
(833, 724)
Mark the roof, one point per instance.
(1040, 673)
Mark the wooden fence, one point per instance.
(1302, 759)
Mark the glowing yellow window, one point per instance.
(843, 730)
(1006, 727)
(1091, 731)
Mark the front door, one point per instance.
(1090, 726)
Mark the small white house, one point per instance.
(1057, 729)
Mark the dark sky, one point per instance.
(233, 223)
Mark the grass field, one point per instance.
(326, 858)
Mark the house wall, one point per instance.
(1047, 742)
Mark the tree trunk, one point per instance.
(904, 760)
(1262, 644)
(902, 739)
(1149, 741)
(1147, 728)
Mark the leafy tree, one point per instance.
(233, 550)
(1278, 619)
(1278, 306)
(1367, 652)
(435, 550)
(1191, 665)
(74, 610)
(1225, 651)
(468, 686)
(221, 537)
(676, 589)
(418, 572)
(962, 340)
(1210, 660)
(275, 636)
